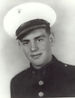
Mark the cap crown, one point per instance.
(26, 12)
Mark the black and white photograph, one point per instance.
(37, 48)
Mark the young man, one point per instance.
(46, 77)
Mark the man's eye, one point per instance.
(40, 40)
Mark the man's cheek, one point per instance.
(27, 54)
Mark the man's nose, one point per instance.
(34, 46)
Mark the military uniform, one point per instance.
(53, 80)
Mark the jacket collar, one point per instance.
(49, 65)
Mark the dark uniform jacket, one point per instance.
(53, 80)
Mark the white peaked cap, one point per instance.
(26, 12)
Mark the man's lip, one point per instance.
(36, 55)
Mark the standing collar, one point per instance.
(50, 64)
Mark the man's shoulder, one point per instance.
(69, 69)
(21, 76)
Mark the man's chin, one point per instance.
(37, 65)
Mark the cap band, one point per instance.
(27, 27)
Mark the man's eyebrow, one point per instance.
(25, 40)
(40, 36)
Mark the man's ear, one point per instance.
(51, 38)
(20, 44)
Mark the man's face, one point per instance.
(37, 47)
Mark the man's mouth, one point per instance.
(36, 56)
